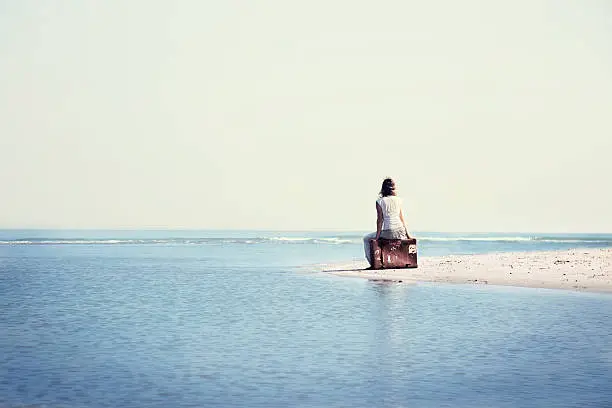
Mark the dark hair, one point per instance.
(388, 187)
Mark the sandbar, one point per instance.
(588, 269)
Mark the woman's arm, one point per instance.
(379, 220)
(404, 222)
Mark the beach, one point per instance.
(578, 269)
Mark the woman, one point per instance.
(390, 222)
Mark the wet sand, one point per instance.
(576, 269)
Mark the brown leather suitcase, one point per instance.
(393, 253)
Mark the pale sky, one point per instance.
(275, 114)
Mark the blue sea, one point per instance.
(233, 319)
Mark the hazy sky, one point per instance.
(275, 114)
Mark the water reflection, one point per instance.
(391, 347)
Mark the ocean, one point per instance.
(234, 319)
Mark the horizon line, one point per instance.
(158, 229)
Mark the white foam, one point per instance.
(289, 239)
(303, 240)
(493, 239)
(335, 240)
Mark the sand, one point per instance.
(576, 269)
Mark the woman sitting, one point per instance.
(390, 222)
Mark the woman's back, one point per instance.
(391, 207)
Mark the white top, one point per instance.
(391, 207)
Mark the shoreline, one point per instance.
(578, 269)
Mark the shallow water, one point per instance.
(137, 325)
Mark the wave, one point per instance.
(491, 239)
(331, 240)
(72, 241)
(523, 239)
(181, 241)
(321, 240)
